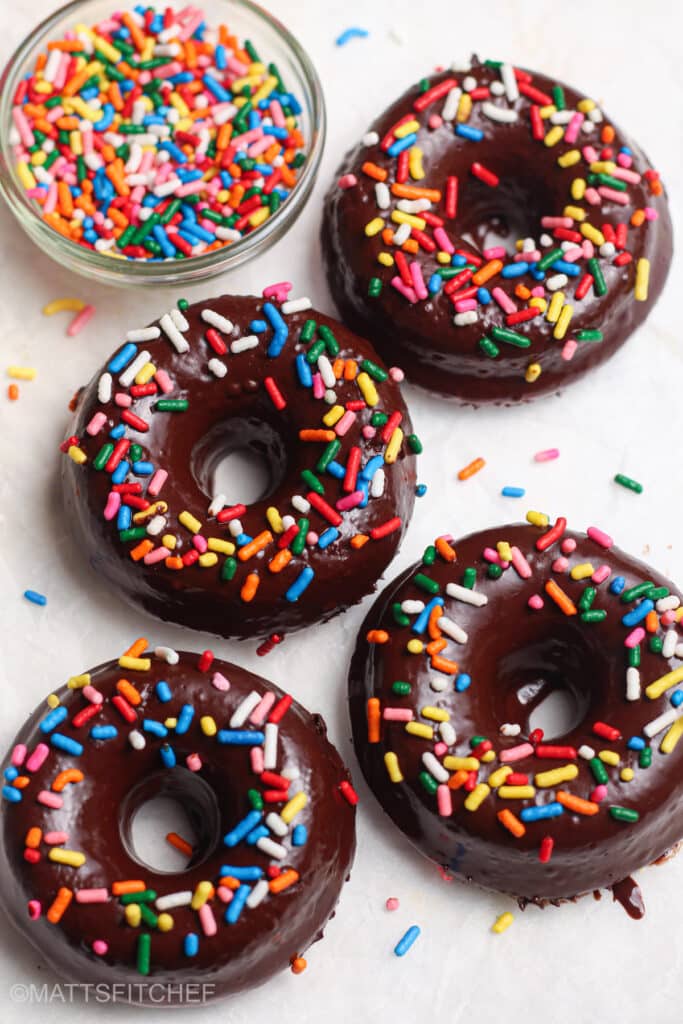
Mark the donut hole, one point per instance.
(244, 460)
(550, 683)
(173, 801)
(499, 216)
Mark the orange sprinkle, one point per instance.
(637, 218)
(284, 880)
(116, 100)
(128, 885)
(317, 435)
(511, 822)
(128, 691)
(173, 562)
(254, 546)
(13, 392)
(445, 550)
(338, 368)
(473, 467)
(557, 594)
(179, 843)
(280, 560)
(522, 292)
(137, 648)
(350, 369)
(21, 782)
(414, 192)
(444, 665)
(64, 199)
(141, 549)
(358, 541)
(652, 621)
(373, 721)
(656, 187)
(250, 587)
(59, 905)
(228, 882)
(76, 82)
(377, 636)
(608, 134)
(374, 172)
(299, 965)
(136, 33)
(432, 625)
(458, 779)
(388, 236)
(33, 838)
(436, 646)
(489, 270)
(64, 778)
(575, 803)
(411, 246)
(67, 45)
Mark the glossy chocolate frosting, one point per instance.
(435, 353)
(516, 657)
(236, 412)
(118, 780)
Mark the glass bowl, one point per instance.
(248, 21)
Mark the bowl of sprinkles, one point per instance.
(164, 144)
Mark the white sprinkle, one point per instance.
(587, 127)
(370, 139)
(300, 504)
(668, 604)
(546, 240)
(104, 244)
(507, 75)
(413, 205)
(382, 195)
(137, 740)
(218, 368)
(464, 319)
(276, 824)
(450, 107)
(497, 88)
(133, 369)
(412, 607)
(452, 629)
(288, 521)
(586, 752)
(467, 596)
(528, 245)
(258, 893)
(221, 323)
(502, 114)
(166, 188)
(296, 305)
(173, 900)
(556, 282)
(330, 397)
(402, 234)
(438, 684)
(461, 64)
(179, 319)
(377, 484)
(227, 234)
(607, 250)
(447, 733)
(235, 527)
(180, 344)
(632, 683)
(242, 344)
(660, 723)
(156, 525)
(244, 709)
(326, 371)
(270, 746)
(679, 651)
(595, 115)
(670, 643)
(510, 729)
(561, 117)
(104, 388)
(167, 654)
(218, 502)
(271, 848)
(291, 772)
(434, 767)
(469, 83)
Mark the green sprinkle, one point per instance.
(135, 452)
(146, 896)
(255, 799)
(103, 455)
(400, 617)
(599, 771)
(589, 335)
(558, 97)
(148, 916)
(645, 757)
(415, 444)
(143, 952)
(511, 337)
(656, 644)
(640, 590)
(328, 337)
(587, 598)
(429, 556)
(307, 331)
(378, 419)
(183, 305)
(329, 453)
(428, 782)
(374, 371)
(489, 348)
(423, 85)
(469, 578)
(374, 287)
(657, 593)
(134, 533)
(598, 280)
(494, 572)
(608, 180)
(547, 261)
(312, 481)
(594, 616)
(315, 351)
(425, 583)
(172, 405)
(229, 569)
(629, 483)
(634, 656)
(400, 688)
(624, 814)
(476, 740)
(251, 50)
(299, 542)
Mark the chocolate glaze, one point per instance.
(434, 353)
(627, 893)
(224, 415)
(510, 648)
(118, 779)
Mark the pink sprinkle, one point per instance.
(200, 543)
(568, 349)
(392, 903)
(538, 292)
(157, 482)
(164, 381)
(435, 121)
(34, 909)
(193, 762)
(599, 793)
(443, 241)
(55, 838)
(368, 432)
(261, 710)
(556, 222)
(52, 800)
(418, 280)
(220, 682)
(123, 400)
(256, 758)
(592, 196)
(37, 758)
(651, 213)
(536, 602)
(224, 894)
(278, 291)
(625, 175)
(345, 423)
(80, 320)
(668, 618)
(572, 131)
(401, 287)
(444, 802)
(588, 249)
(156, 556)
(350, 501)
(496, 252)
(397, 374)
(100, 947)
(602, 573)
(624, 160)
(568, 546)
(547, 455)
(96, 423)
(560, 564)
(463, 305)
(635, 637)
(312, 538)
(318, 386)
(516, 753)
(520, 564)
(600, 537)
(18, 755)
(504, 300)
(590, 154)
(92, 695)
(347, 181)
(440, 749)
(113, 505)
(613, 195)
(397, 715)
(92, 895)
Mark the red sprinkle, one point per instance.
(348, 792)
(608, 732)
(546, 850)
(205, 661)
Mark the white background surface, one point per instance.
(582, 963)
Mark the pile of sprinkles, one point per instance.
(462, 773)
(269, 831)
(353, 427)
(152, 136)
(573, 258)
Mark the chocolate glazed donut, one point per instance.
(268, 796)
(491, 148)
(302, 393)
(511, 615)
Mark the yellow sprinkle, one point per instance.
(259, 216)
(165, 922)
(502, 923)
(415, 163)
(393, 769)
(578, 189)
(135, 664)
(71, 857)
(78, 682)
(456, 764)
(516, 792)
(568, 159)
(476, 798)
(147, 51)
(169, 541)
(265, 90)
(464, 108)
(563, 322)
(537, 518)
(208, 725)
(170, 723)
(158, 508)
(547, 111)
(585, 106)
(207, 559)
(43, 87)
(627, 774)
(86, 111)
(556, 776)
(333, 416)
(603, 166)
(293, 806)
(181, 106)
(77, 455)
(425, 732)
(201, 895)
(22, 372)
(672, 736)
(25, 175)
(133, 914)
(394, 447)
(435, 714)
(63, 305)
(146, 373)
(580, 572)
(554, 135)
(106, 49)
(575, 212)
(387, 260)
(554, 307)
(664, 683)
(592, 234)
(274, 519)
(367, 388)
(532, 372)
(538, 303)
(38, 159)
(399, 217)
(489, 756)
(189, 521)
(53, 701)
(609, 757)
(407, 129)
(415, 647)
(224, 547)
(504, 550)
(498, 777)
(443, 258)
(374, 226)
(642, 280)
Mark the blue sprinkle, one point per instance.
(405, 143)
(243, 828)
(124, 517)
(458, 260)
(53, 719)
(35, 598)
(336, 470)
(404, 943)
(420, 490)
(163, 241)
(351, 33)
(327, 537)
(120, 473)
(236, 904)
(462, 682)
(299, 585)
(562, 267)
(515, 269)
(104, 732)
(123, 357)
(167, 755)
(184, 719)
(252, 873)
(260, 832)
(66, 744)
(154, 727)
(483, 296)
(11, 773)
(638, 613)
(466, 131)
(371, 467)
(299, 835)
(617, 585)
(117, 433)
(11, 794)
(552, 810)
(513, 492)
(163, 691)
(191, 944)
(220, 57)
(538, 275)
(242, 539)
(240, 737)
(422, 620)
(677, 698)
(217, 90)
(258, 326)
(435, 284)
(636, 743)
(303, 371)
